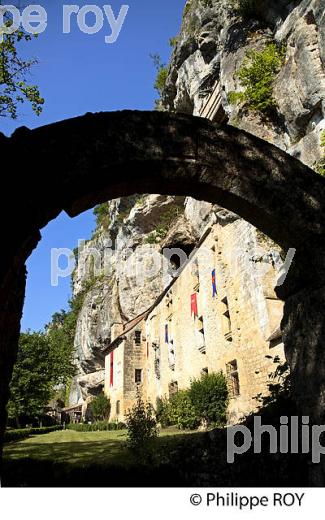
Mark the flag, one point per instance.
(111, 377)
(166, 333)
(214, 284)
(194, 309)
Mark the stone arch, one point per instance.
(75, 164)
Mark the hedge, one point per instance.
(17, 435)
(96, 426)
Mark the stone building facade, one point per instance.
(219, 313)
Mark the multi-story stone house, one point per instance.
(219, 313)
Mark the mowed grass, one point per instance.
(84, 448)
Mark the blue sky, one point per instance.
(80, 73)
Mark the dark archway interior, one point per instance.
(78, 163)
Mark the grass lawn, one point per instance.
(83, 448)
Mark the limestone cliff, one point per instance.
(116, 277)
(212, 45)
(210, 49)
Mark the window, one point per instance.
(200, 339)
(169, 301)
(137, 337)
(173, 388)
(138, 375)
(196, 275)
(204, 371)
(226, 321)
(233, 378)
(118, 407)
(156, 348)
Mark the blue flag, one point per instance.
(214, 284)
(166, 333)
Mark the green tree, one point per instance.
(101, 407)
(44, 362)
(182, 412)
(32, 380)
(60, 334)
(14, 88)
(209, 397)
(162, 75)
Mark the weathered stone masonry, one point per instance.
(227, 329)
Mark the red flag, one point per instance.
(111, 378)
(194, 309)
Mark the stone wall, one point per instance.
(237, 322)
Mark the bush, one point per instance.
(182, 412)
(209, 398)
(163, 412)
(102, 214)
(257, 75)
(101, 407)
(96, 426)
(166, 220)
(142, 428)
(17, 435)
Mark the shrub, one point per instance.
(182, 412)
(19, 434)
(96, 426)
(102, 214)
(101, 407)
(163, 412)
(142, 428)
(257, 75)
(166, 220)
(209, 398)
(173, 41)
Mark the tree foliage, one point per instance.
(182, 412)
(101, 407)
(102, 214)
(45, 361)
(206, 400)
(161, 77)
(14, 87)
(209, 397)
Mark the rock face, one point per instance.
(115, 267)
(210, 48)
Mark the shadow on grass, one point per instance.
(104, 452)
(192, 460)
